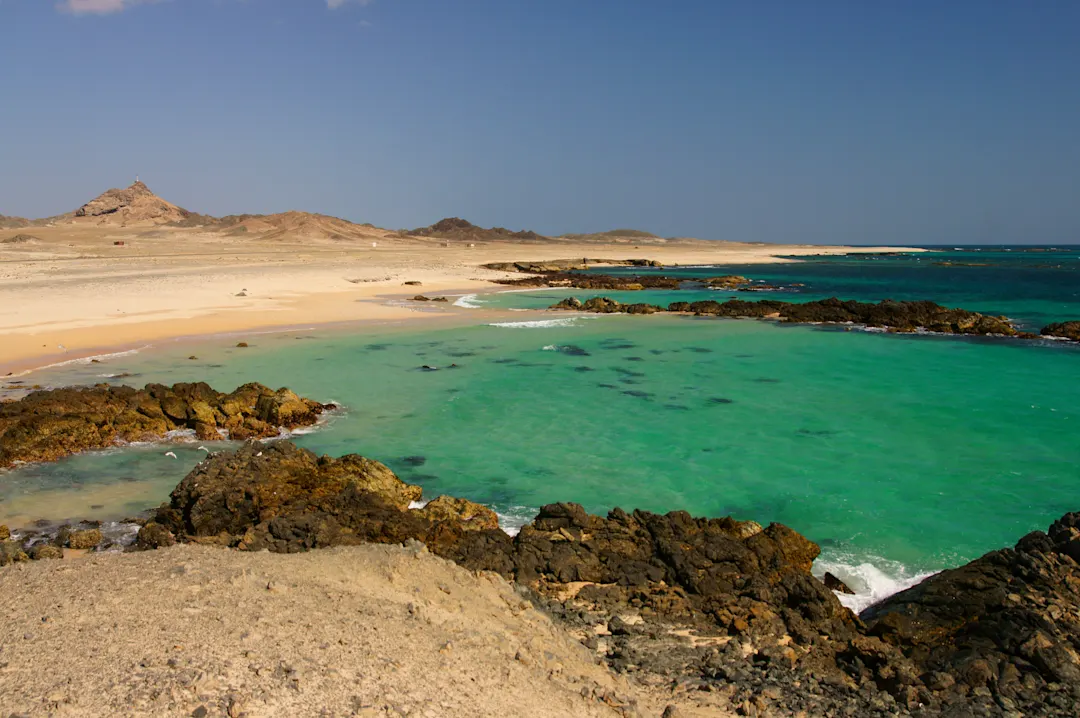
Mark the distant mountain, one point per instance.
(301, 225)
(13, 222)
(616, 235)
(134, 205)
(457, 229)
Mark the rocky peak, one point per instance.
(135, 204)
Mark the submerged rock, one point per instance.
(50, 424)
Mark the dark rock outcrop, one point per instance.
(1006, 625)
(1065, 330)
(50, 424)
(286, 499)
(566, 265)
(894, 316)
(714, 603)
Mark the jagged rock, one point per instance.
(5, 533)
(136, 204)
(1066, 330)
(601, 305)
(1008, 621)
(285, 499)
(48, 425)
(835, 584)
(896, 316)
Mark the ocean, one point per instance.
(900, 455)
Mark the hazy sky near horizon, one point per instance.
(827, 121)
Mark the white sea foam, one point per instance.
(540, 323)
(872, 580)
(468, 301)
(86, 360)
(180, 435)
(514, 517)
(417, 504)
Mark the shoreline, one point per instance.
(66, 299)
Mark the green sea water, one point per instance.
(900, 455)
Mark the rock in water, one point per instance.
(834, 584)
(1065, 330)
(1008, 622)
(284, 498)
(48, 425)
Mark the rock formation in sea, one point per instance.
(895, 316)
(50, 424)
(1004, 627)
(1064, 330)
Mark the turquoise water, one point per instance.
(899, 454)
(1033, 286)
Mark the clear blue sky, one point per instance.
(918, 121)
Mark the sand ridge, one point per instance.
(371, 630)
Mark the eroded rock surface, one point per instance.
(1065, 330)
(1005, 626)
(135, 204)
(50, 424)
(286, 499)
(895, 316)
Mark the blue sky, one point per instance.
(821, 121)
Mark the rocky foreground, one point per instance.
(715, 605)
(50, 424)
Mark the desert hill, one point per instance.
(616, 236)
(294, 224)
(13, 222)
(137, 206)
(458, 229)
(134, 205)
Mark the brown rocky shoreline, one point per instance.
(899, 317)
(713, 605)
(47, 425)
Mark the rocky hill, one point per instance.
(457, 229)
(134, 205)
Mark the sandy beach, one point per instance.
(74, 292)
